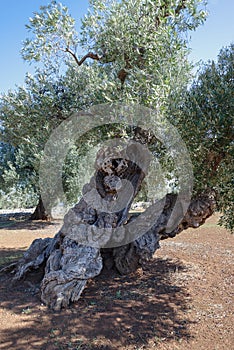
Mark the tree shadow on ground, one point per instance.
(9, 255)
(114, 312)
(15, 223)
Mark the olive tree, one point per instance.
(136, 54)
(207, 112)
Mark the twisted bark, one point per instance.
(93, 236)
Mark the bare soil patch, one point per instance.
(183, 299)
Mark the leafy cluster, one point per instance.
(54, 31)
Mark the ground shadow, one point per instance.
(114, 312)
(21, 221)
(10, 255)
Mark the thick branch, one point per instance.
(200, 209)
(129, 257)
(83, 59)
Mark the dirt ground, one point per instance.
(183, 299)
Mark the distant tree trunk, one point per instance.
(86, 241)
(40, 212)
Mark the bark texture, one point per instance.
(87, 241)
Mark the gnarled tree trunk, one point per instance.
(99, 231)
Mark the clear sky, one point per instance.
(218, 31)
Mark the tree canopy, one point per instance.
(134, 52)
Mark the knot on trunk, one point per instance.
(112, 183)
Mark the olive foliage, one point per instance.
(207, 126)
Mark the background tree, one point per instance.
(208, 112)
(28, 116)
(18, 177)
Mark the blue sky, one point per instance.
(218, 31)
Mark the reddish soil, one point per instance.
(183, 299)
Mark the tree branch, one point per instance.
(88, 55)
(213, 161)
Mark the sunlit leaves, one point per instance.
(52, 30)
